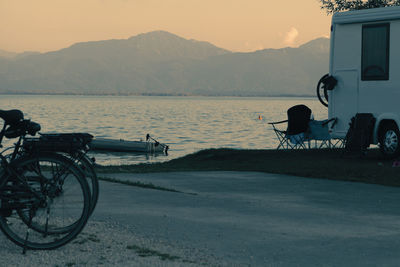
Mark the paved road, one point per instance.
(259, 219)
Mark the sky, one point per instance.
(236, 25)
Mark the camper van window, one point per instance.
(375, 52)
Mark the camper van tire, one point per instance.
(389, 140)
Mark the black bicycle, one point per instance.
(74, 146)
(45, 197)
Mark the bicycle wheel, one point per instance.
(86, 165)
(52, 171)
(57, 204)
(44, 168)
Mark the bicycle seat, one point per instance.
(11, 116)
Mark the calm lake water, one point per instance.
(186, 124)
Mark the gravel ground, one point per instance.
(107, 244)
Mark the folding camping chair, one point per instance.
(319, 136)
(303, 132)
(297, 128)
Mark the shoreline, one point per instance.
(329, 164)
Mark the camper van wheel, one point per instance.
(389, 140)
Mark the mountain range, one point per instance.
(161, 63)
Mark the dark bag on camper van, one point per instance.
(359, 135)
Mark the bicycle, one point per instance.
(45, 198)
(71, 145)
(74, 147)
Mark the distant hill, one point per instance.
(13, 55)
(286, 71)
(162, 63)
(6, 54)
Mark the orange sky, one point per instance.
(238, 25)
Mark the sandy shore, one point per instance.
(231, 219)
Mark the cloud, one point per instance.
(291, 36)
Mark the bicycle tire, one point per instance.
(63, 230)
(88, 171)
(91, 176)
(18, 230)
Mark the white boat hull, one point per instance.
(126, 146)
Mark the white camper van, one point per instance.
(365, 62)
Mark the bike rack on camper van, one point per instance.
(364, 74)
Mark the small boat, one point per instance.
(120, 145)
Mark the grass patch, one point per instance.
(146, 252)
(138, 184)
(93, 238)
(83, 240)
(80, 242)
(317, 163)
